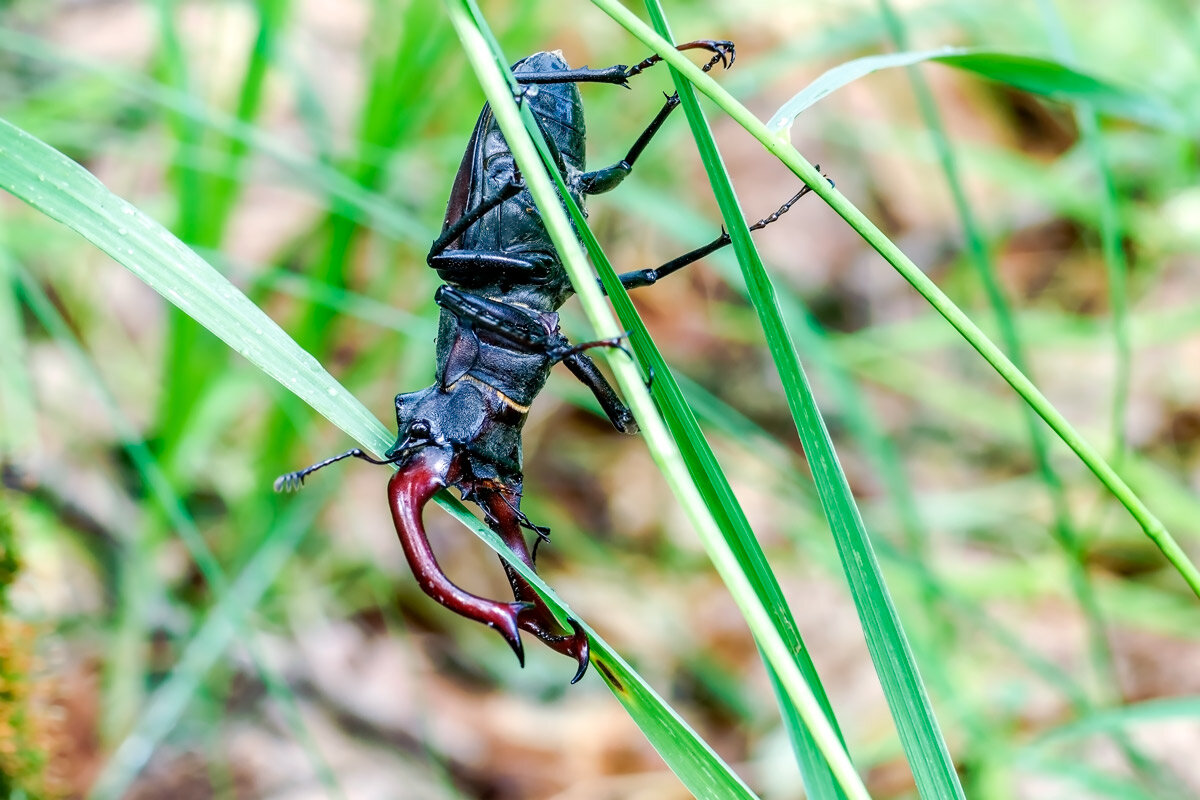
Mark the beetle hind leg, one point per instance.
(419, 479)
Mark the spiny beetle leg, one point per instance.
(419, 479)
(725, 52)
(505, 519)
(608, 178)
(619, 74)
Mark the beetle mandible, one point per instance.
(498, 337)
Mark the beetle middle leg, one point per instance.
(504, 517)
(647, 277)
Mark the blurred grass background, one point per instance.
(307, 149)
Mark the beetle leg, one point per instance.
(648, 277)
(583, 368)
(725, 52)
(619, 74)
(608, 178)
(419, 479)
(505, 519)
(460, 225)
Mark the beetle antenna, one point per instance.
(294, 481)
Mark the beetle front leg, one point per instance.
(620, 74)
(608, 178)
(418, 480)
(536, 617)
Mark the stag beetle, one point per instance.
(498, 337)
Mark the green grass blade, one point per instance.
(17, 413)
(492, 70)
(63, 190)
(1107, 721)
(920, 735)
(781, 148)
(1040, 76)
(1089, 781)
(1063, 530)
(1112, 234)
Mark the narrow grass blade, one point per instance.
(921, 736)
(493, 73)
(782, 149)
(17, 413)
(1040, 76)
(1118, 719)
(1112, 233)
(1063, 529)
(1091, 782)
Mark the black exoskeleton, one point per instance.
(498, 337)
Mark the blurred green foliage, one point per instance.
(307, 150)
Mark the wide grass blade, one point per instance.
(63, 190)
(60, 188)
(780, 147)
